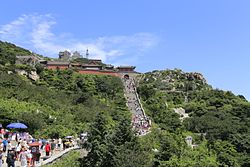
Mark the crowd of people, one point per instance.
(24, 150)
(140, 122)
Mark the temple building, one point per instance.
(55, 65)
(95, 61)
(109, 67)
(126, 69)
(91, 67)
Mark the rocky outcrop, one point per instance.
(181, 112)
(31, 75)
(22, 72)
(196, 76)
(175, 80)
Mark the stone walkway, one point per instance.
(141, 123)
(57, 155)
(54, 157)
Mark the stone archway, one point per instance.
(126, 76)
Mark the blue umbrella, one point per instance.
(17, 126)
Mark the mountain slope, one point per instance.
(63, 102)
(217, 115)
(9, 51)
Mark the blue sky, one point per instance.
(211, 37)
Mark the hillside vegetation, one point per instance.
(217, 118)
(63, 102)
(9, 51)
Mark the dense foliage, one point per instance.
(219, 119)
(69, 160)
(60, 103)
(8, 53)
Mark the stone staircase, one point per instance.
(140, 122)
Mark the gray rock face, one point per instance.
(33, 75)
(196, 75)
(22, 72)
(181, 112)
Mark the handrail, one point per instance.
(57, 156)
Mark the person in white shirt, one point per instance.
(60, 144)
(9, 146)
(18, 148)
(29, 155)
(23, 157)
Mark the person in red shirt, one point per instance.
(47, 149)
(2, 132)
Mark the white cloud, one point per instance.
(35, 33)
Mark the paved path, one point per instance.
(57, 155)
(140, 122)
(54, 157)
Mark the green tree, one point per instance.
(226, 153)
(96, 143)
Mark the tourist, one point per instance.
(59, 144)
(43, 143)
(2, 132)
(24, 143)
(18, 149)
(5, 143)
(11, 158)
(64, 145)
(1, 157)
(53, 146)
(29, 156)
(38, 155)
(23, 157)
(47, 149)
(9, 146)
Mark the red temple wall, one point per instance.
(57, 67)
(125, 69)
(117, 74)
(99, 72)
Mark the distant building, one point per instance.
(126, 69)
(109, 67)
(95, 61)
(64, 55)
(75, 65)
(54, 65)
(76, 55)
(91, 67)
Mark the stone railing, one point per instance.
(57, 156)
(137, 96)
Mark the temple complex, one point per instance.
(76, 62)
